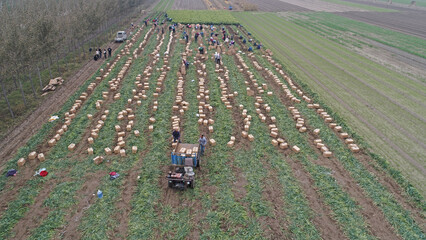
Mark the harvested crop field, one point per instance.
(279, 162)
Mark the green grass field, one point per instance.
(369, 93)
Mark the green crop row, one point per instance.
(345, 209)
(56, 217)
(397, 216)
(228, 211)
(55, 162)
(143, 217)
(202, 16)
(55, 158)
(97, 222)
(408, 187)
(296, 206)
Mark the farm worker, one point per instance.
(250, 49)
(146, 23)
(215, 57)
(90, 50)
(202, 141)
(186, 63)
(255, 44)
(244, 41)
(218, 58)
(202, 34)
(196, 36)
(109, 51)
(241, 36)
(201, 49)
(176, 135)
(105, 55)
(174, 29)
(201, 28)
(97, 54)
(259, 46)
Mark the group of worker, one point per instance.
(202, 140)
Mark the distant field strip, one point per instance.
(333, 26)
(360, 6)
(377, 106)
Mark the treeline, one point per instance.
(36, 34)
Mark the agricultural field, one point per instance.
(203, 16)
(189, 4)
(358, 90)
(292, 152)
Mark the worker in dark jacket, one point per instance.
(176, 135)
(203, 142)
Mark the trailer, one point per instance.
(185, 154)
(184, 158)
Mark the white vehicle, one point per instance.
(121, 36)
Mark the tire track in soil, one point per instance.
(130, 185)
(85, 199)
(327, 226)
(276, 224)
(388, 182)
(195, 205)
(376, 221)
(352, 111)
